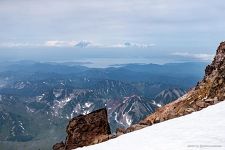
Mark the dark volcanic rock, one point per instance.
(59, 146)
(87, 130)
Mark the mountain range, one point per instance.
(38, 99)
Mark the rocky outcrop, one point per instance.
(59, 146)
(86, 130)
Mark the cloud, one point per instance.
(19, 44)
(90, 44)
(75, 44)
(139, 45)
(191, 56)
(110, 22)
(57, 43)
(131, 45)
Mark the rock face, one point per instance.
(86, 130)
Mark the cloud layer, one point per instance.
(192, 56)
(73, 44)
(158, 26)
(141, 21)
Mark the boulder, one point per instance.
(86, 130)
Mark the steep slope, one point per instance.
(200, 130)
(209, 91)
(130, 111)
(168, 95)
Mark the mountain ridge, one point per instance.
(207, 92)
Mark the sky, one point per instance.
(61, 30)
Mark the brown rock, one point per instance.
(59, 146)
(145, 122)
(120, 131)
(157, 120)
(200, 104)
(112, 136)
(139, 126)
(190, 110)
(135, 127)
(210, 100)
(209, 69)
(130, 129)
(86, 130)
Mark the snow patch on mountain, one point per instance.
(57, 92)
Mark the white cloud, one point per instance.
(113, 21)
(203, 57)
(139, 45)
(19, 44)
(57, 43)
(75, 44)
(127, 45)
(86, 44)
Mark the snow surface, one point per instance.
(203, 130)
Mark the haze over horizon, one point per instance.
(171, 31)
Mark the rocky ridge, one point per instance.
(209, 91)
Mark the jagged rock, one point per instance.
(145, 123)
(112, 136)
(157, 120)
(87, 130)
(130, 129)
(134, 128)
(190, 110)
(120, 131)
(200, 104)
(211, 100)
(138, 126)
(59, 146)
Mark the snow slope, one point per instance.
(203, 130)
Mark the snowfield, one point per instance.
(203, 130)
